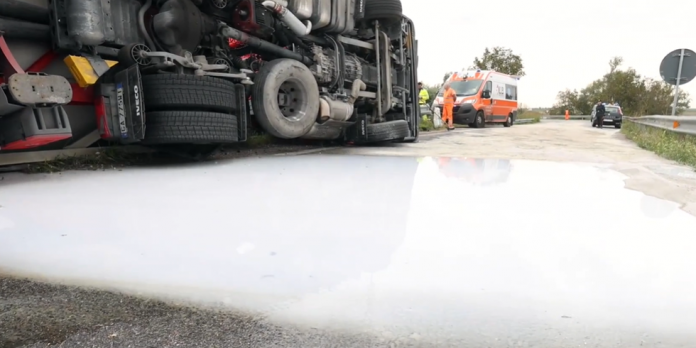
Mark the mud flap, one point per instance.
(31, 111)
(358, 132)
(34, 127)
(120, 108)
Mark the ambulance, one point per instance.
(483, 96)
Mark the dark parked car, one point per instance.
(614, 115)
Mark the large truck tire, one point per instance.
(190, 127)
(390, 10)
(187, 92)
(415, 138)
(387, 131)
(294, 114)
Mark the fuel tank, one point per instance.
(334, 17)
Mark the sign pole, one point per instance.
(676, 88)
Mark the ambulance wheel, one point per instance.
(480, 120)
(389, 10)
(510, 121)
(285, 98)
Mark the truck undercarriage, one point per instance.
(81, 73)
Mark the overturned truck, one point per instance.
(84, 73)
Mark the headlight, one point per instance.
(470, 101)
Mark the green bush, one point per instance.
(530, 114)
(426, 124)
(675, 146)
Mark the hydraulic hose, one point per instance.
(24, 10)
(238, 62)
(263, 45)
(15, 29)
(141, 24)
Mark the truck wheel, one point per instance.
(415, 138)
(285, 98)
(187, 92)
(190, 127)
(383, 9)
(387, 131)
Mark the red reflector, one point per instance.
(35, 141)
(236, 43)
(102, 118)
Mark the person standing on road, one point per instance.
(423, 95)
(600, 112)
(449, 97)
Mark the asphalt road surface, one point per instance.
(41, 315)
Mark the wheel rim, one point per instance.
(220, 4)
(292, 100)
(479, 119)
(509, 120)
(136, 53)
(221, 61)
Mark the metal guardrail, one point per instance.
(677, 124)
(562, 117)
(524, 121)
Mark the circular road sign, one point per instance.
(669, 68)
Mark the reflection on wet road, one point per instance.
(421, 251)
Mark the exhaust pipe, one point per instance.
(289, 18)
(263, 45)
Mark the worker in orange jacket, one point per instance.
(450, 96)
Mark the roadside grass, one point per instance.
(426, 125)
(103, 160)
(674, 146)
(530, 115)
(260, 140)
(116, 159)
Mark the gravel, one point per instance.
(40, 315)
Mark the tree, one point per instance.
(500, 59)
(432, 91)
(636, 95)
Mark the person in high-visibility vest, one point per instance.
(423, 95)
(449, 97)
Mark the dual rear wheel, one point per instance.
(189, 109)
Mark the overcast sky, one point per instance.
(559, 41)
